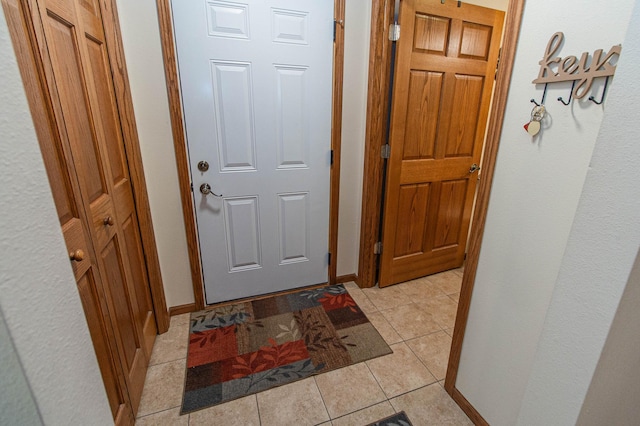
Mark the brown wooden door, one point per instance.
(445, 70)
(92, 168)
(61, 171)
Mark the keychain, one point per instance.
(537, 114)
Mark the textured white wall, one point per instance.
(143, 52)
(613, 393)
(38, 296)
(354, 110)
(534, 198)
(600, 255)
(17, 406)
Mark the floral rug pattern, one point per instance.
(237, 350)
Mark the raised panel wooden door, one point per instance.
(85, 110)
(256, 80)
(63, 178)
(445, 68)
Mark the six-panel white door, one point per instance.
(256, 81)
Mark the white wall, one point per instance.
(602, 249)
(143, 53)
(613, 394)
(38, 296)
(354, 110)
(16, 402)
(535, 194)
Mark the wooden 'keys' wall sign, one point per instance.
(554, 69)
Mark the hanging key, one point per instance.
(534, 125)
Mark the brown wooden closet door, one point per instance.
(74, 42)
(71, 211)
(108, 122)
(445, 72)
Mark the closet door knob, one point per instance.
(77, 255)
(108, 221)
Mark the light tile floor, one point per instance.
(415, 318)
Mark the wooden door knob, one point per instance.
(77, 255)
(108, 221)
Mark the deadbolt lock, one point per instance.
(203, 166)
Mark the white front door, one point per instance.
(256, 81)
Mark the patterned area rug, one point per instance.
(398, 419)
(241, 349)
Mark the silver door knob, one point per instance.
(205, 189)
(474, 168)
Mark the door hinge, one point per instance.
(337, 22)
(394, 32)
(385, 151)
(332, 157)
(191, 186)
(377, 248)
(329, 258)
(495, 77)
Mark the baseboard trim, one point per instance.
(468, 409)
(182, 309)
(347, 278)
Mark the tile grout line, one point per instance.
(321, 397)
(364, 408)
(415, 337)
(422, 362)
(255, 395)
(392, 327)
(167, 362)
(379, 385)
(157, 412)
(413, 390)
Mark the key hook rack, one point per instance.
(544, 96)
(554, 69)
(570, 95)
(604, 93)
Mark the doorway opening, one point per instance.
(379, 72)
(188, 197)
(444, 76)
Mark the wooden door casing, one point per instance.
(445, 69)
